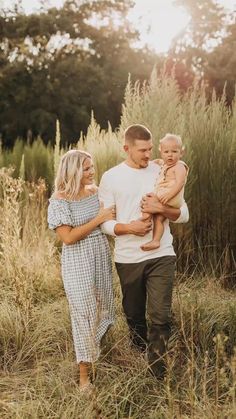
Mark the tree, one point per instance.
(202, 33)
(61, 64)
(206, 48)
(219, 71)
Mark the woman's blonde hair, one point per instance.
(70, 173)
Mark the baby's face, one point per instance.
(170, 151)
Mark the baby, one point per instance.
(169, 187)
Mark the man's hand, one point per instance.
(151, 204)
(140, 227)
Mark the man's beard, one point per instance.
(144, 163)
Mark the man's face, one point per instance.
(139, 153)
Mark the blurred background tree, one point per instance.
(61, 64)
(206, 48)
(64, 63)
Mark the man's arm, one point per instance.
(152, 205)
(106, 196)
(184, 214)
(113, 228)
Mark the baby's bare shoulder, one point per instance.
(181, 166)
(180, 170)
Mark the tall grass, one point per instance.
(104, 146)
(38, 378)
(37, 160)
(208, 129)
(208, 132)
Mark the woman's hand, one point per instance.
(106, 214)
(141, 227)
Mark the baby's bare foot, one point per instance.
(154, 244)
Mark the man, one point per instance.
(146, 277)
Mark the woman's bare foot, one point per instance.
(87, 390)
(84, 380)
(154, 244)
(84, 383)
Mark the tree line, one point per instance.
(63, 63)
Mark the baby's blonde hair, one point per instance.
(174, 137)
(70, 173)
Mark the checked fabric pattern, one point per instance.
(86, 274)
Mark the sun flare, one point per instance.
(158, 21)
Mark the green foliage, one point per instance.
(57, 148)
(13, 157)
(219, 69)
(62, 68)
(22, 168)
(39, 161)
(30, 161)
(59, 65)
(206, 22)
(206, 46)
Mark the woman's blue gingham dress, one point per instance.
(86, 274)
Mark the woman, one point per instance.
(75, 213)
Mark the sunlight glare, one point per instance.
(158, 21)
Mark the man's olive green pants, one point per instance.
(147, 289)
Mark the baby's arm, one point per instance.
(180, 175)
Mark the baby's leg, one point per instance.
(157, 233)
(146, 216)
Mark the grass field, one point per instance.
(38, 374)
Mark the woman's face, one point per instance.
(88, 172)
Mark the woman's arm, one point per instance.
(70, 235)
(138, 227)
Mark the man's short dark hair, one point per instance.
(137, 132)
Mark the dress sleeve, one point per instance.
(59, 214)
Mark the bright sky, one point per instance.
(163, 19)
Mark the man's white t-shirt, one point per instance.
(124, 187)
